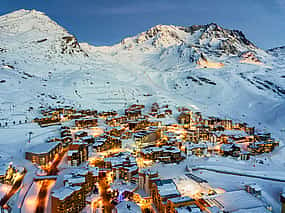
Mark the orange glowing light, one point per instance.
(31, 202)
(5, 188)
(142, 163)
(220, 190)
(203, 63)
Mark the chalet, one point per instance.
(108, 114)
(172, 139)
(262, 147)
(197, 117)
(263, 136)
(253, 189)
(48, 120)
(244, 155)
(116, 131)
(67, 199)
(123, 165)
(77, 153)
(76, 116)
(158, 112)
(66, 140)
(54, 139)
(66, 135)
(148, 137)
(162, 190)
(134, 111)
(154, 107)
(200, 149)
(174, 204)
(239, 126)
(250, 130)
(106, 142)
(99, 144)
(127, 134)
(184, 109)
(166, 154)
(192, 135)
(116, 120)
(146, 178)
(86, 122)
(43, 154)
(88, 112)
(230, 150)
(65, 132)
(83, 177)
(140, 123)
(168, 111)
(88, 139)
(184, 118)
(72, 196)
(80, 134)
(125, 172)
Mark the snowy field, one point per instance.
(15, 139)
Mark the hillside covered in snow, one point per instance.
(211, 69)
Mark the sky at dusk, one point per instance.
(106, 22)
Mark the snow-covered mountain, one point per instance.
(186, 44)
(214, 70)
(32, 38)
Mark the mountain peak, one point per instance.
(22, 21)
(209, 39)
(25, 31)
(22, 12)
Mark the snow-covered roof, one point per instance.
(128, 206)
(188, 209)
(150, 150)
(227, 147)
(94, 170)
(167, 188)
(181, 199)
(214, 209)
(80, 171)
(87, 137)
(197, 146)
(253, 210)
(122, 186)
(236, 200)
(64, 192)
(76, 180)
(71, 152)
(43, 148)
(236, 133)
(148, 172)
(119, 158)
(255, 186)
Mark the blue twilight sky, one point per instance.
(106, 22)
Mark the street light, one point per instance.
(30, 137)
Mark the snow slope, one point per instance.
(42, 64)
